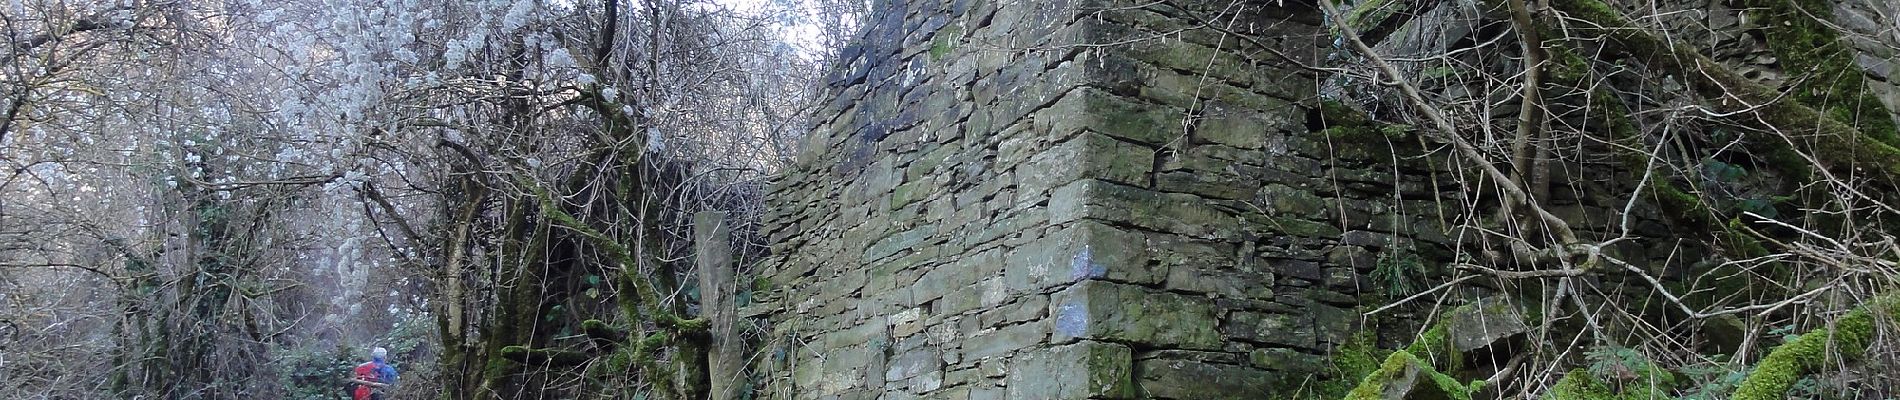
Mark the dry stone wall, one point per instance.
(1076, 199)
(1868, 29)
(1102, 199)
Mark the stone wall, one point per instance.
(1076, 200)
(1088, 199)
(1728, 32)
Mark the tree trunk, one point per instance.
(724, 350)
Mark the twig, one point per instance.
(1409, 299)
(1447, 131)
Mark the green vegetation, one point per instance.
(1402, 365)
(1847, 339)
(1400, 273)
(944, 41)
(1811, 50)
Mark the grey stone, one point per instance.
(1286, 200)
(1280, 329)
(1293, 362)
(913, 363)
(1302, 269)
(1483, 323)
(1127, 119)
(900, 241)
(1100, 310)
(1082, 370)
(1166, 212)
(1088, 155)
(1190, 379)
(1004, 340)
(1093, 250)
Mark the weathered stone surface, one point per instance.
(1286, 200)
(1082, 370)
(1120, 117)
(1166, 212)
(973, 224)
(913, 363)
(1190, 379)
(1088, 155)
(1098, 251)
(1004, 340)
(900, 241)
(1294, 363)
(1100, 310)
(1272, 328)
(1480, 324)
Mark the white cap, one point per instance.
(379, 352)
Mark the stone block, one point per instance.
(1190, 379)
(1221, 280)
(1088, 155)
(1179, 213)
(1292, 362)
(913, 363)
(901, 241)
(1280, 329)
(1286, 200)
(1101, 310)
(1027, 308)
(1082, 370)
(1093, 250)
(1490, 320)
(1120, 117)
(1002, 341)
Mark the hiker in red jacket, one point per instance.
(371, 378)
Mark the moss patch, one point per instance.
(944, 41)
(1351, 363)
(1787, 363)
(1579, 385)
(1809, 47)
(1434, 345)
(1401, 364)
(1837, 144)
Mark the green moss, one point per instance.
(1372, 13)
(1442, 386)
(1836, 87)
(549, 357)
(603, 333)
(1787, 363)
(1684, 208)
(1343, 123)
(1794, 169)
(621, 360)
(1565, 66)
(1337, 113)
(944, 41)
(686, 325)
(1838, 144)
(1740, 243)
(762, 284)
(1350, 363)
(1435, 344)
(1579, 385)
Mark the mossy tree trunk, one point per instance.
(582, 255)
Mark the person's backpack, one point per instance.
(365, 371)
